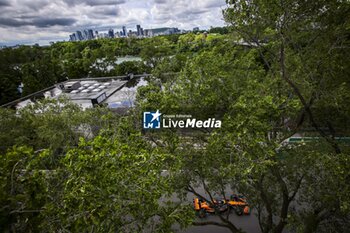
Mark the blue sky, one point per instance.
(41, 21)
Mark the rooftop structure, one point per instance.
(90, 93)
(87, 93)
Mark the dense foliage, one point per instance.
(40, 67)
(281, 70)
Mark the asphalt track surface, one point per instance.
(248, 223)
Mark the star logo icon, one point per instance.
(151, 120)
(156, 116)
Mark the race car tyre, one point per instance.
(202, 213)
(224, 208)
(239, 211)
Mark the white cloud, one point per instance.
(43, 20)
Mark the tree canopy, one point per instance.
(278, 70)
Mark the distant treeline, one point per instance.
(40, 67)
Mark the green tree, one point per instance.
(249, 154)
(154, 50)
(111, 183)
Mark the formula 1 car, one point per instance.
(203, 207)
(239, 204)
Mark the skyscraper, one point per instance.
(72, 37)
(79, 36)
(124, 31)
(111, 33)
(138, 28)
(90, 34)
(86, 34)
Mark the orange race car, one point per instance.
(238, 203)
(203, 207)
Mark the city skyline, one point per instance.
(140, 32)
(44, 21)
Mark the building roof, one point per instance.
(89, 91)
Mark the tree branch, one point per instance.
(267, 202)
(296, 188)
(302, 99)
